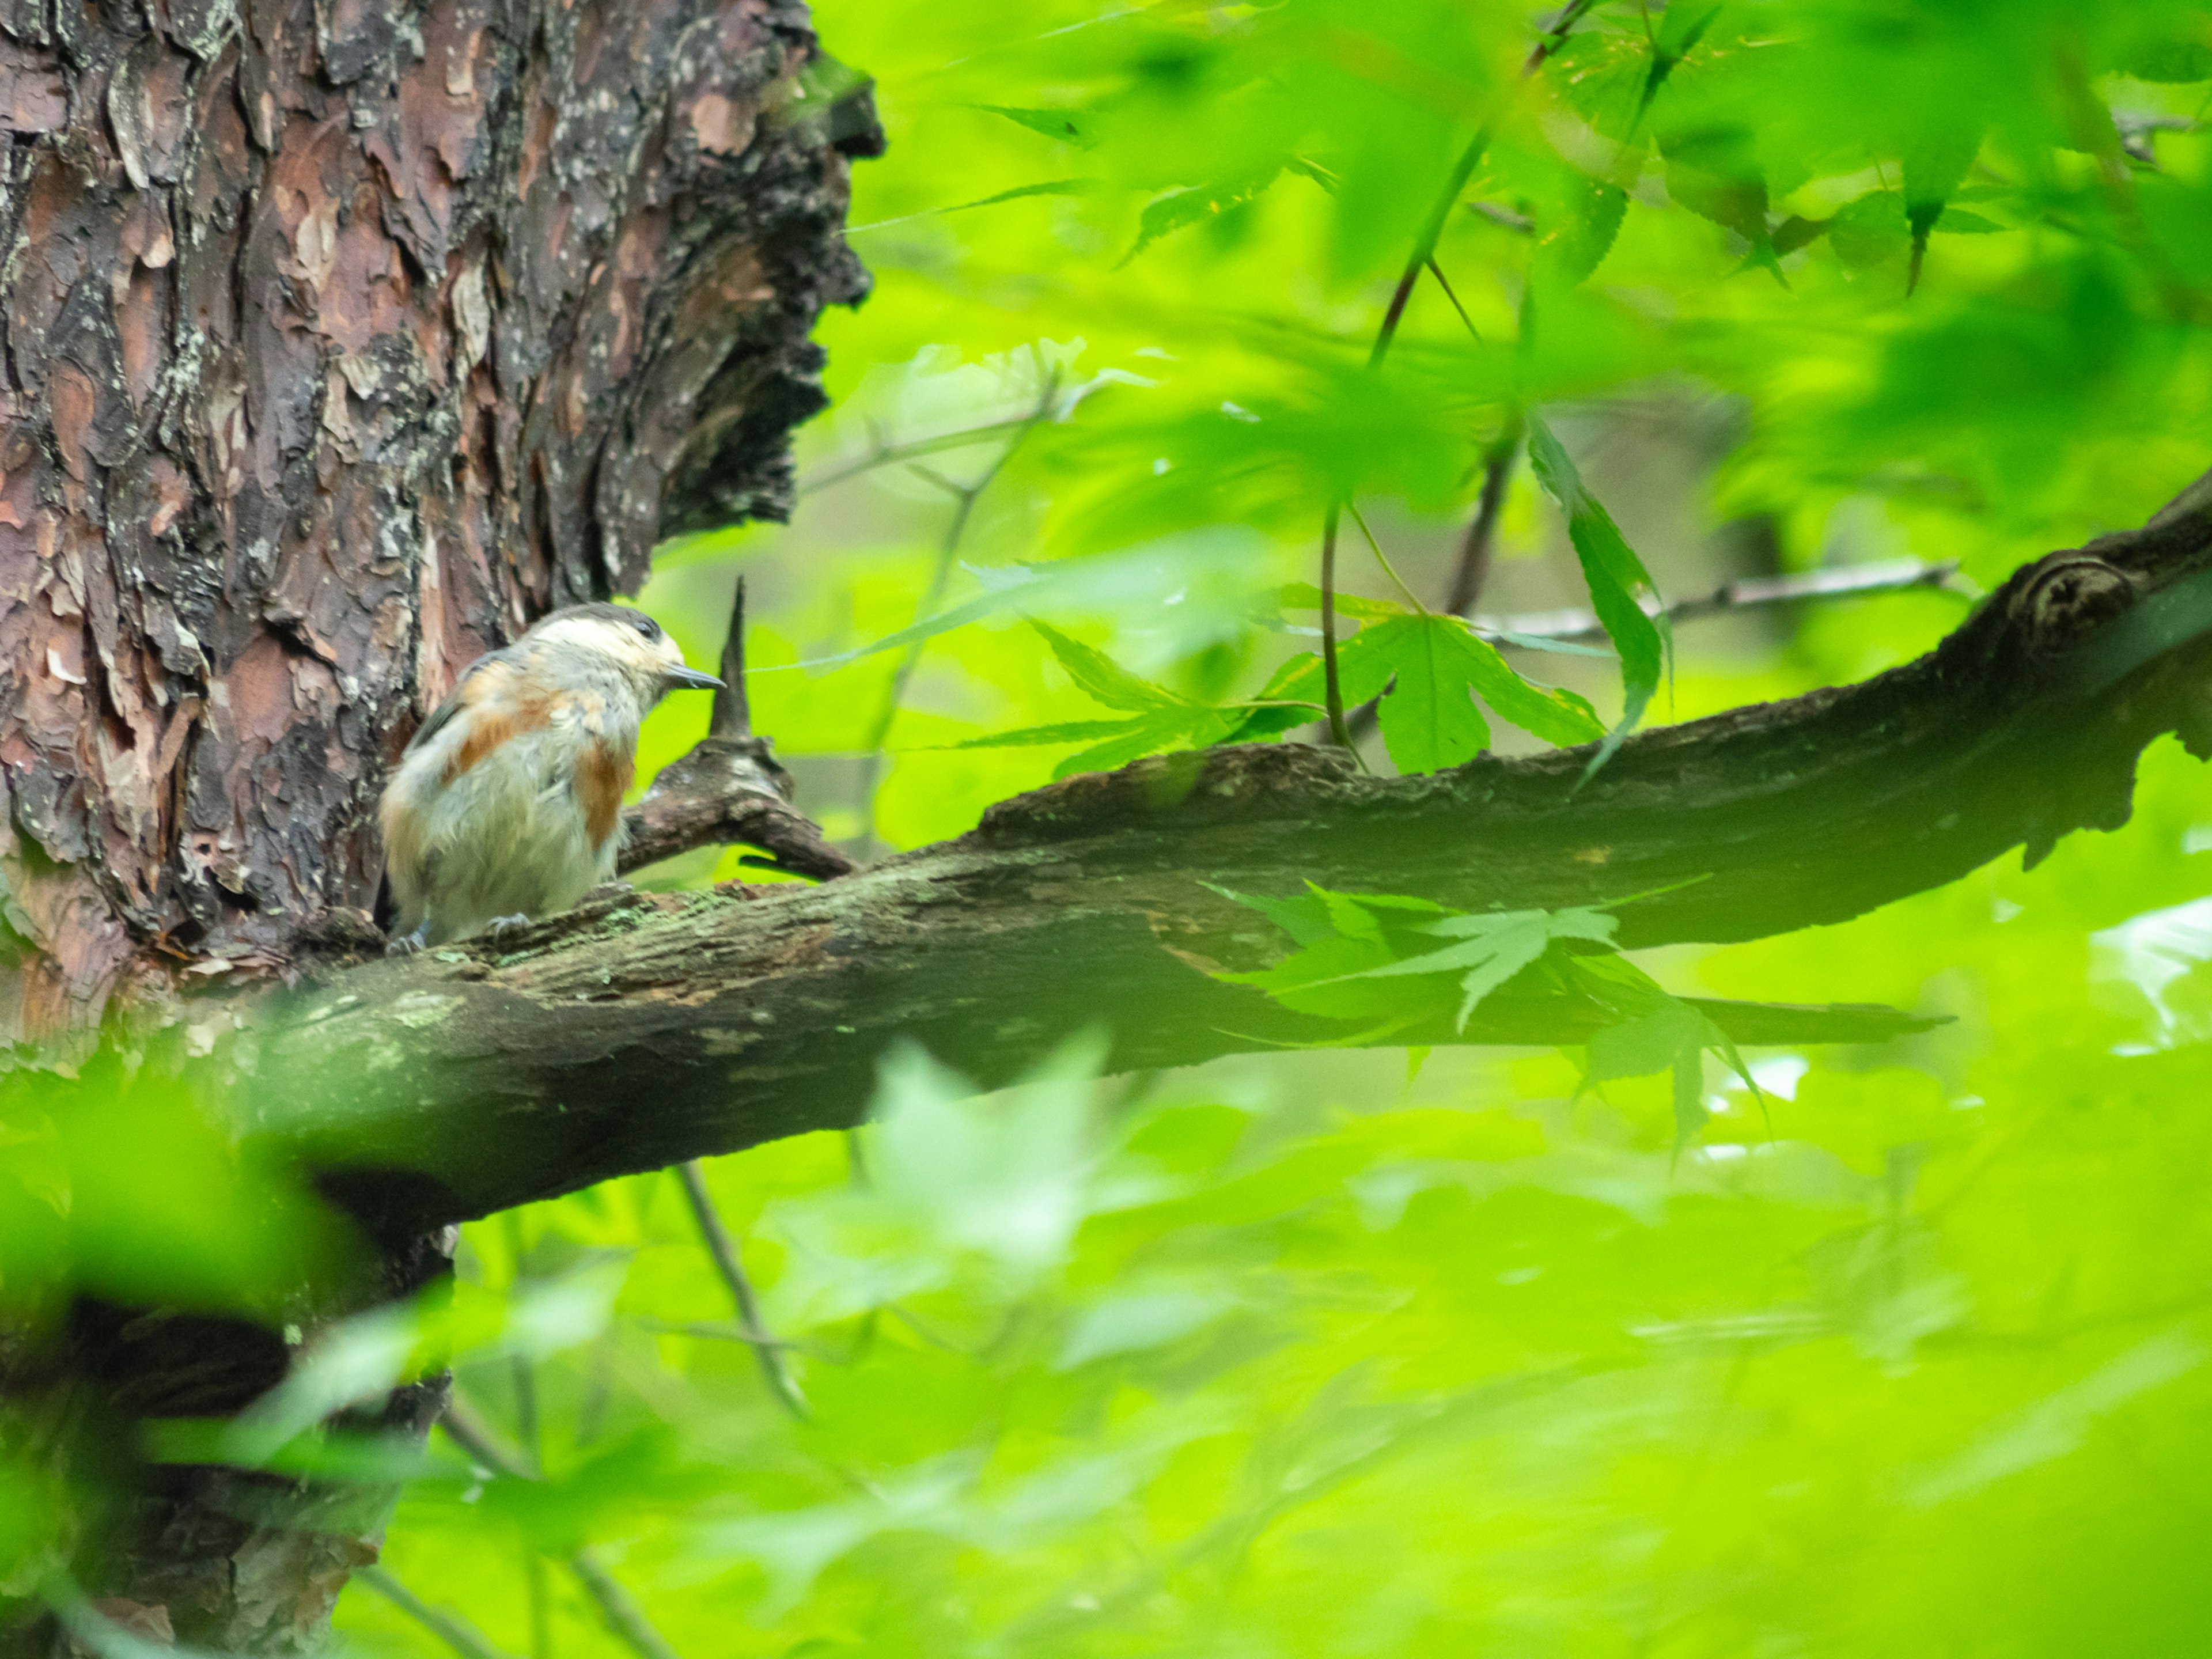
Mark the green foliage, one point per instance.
(1617, 580)
(1651, 1348)
(1323, 1354)
(1346, 941)
(1341, 1362)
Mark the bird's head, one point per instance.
(629, 642)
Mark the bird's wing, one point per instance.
(459, 698)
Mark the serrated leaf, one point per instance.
(1303, 916)
(1494, 948)
(1936, 164)
(1870, 230)
(1576, 243)
(1428, 718)
(1046, 187)
(1361, 672)
(1957, 221)
(1428, 721)
(1102, 679)
(1680, 29)
(1179, 210)
(1187, 727)
(1798, 231)
(2173, 63)
(1617, 580)
(1673, 1037)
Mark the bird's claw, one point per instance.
(500, 926)
(407, 945)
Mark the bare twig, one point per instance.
(1479, 545)
(620, 1609)
(455, 1631)
(965, 496)
(1751, 593)
(890, 454)
(724, 1250)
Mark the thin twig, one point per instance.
(524, 1373)
(455, 1631)
(1444, 282)
(1384, 559)
(724, 1249)
(623, 1615)
(1479, 545)
(1751, 593)
(965, 497)
(889, 454)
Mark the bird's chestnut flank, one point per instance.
(507, 804)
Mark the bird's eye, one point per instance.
(647, 626)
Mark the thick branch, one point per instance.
(640, 1030)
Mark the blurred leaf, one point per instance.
(1101, 678)
(1179, 210)
(1582, 232)
(1067, 126)
(1870, 230)
(1935, 166)
(1617, 578)
(2171, 62)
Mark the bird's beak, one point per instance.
(690, 679)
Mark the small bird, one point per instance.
(508, 802)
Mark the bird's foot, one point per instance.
(500, 926)
(407, 945)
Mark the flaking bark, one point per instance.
(343, 338)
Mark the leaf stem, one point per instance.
(1384, 559)
(965, 496)
(1332, 693)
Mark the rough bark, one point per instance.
(343, 338)
(640, 1031)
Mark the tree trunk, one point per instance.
(343, 338)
